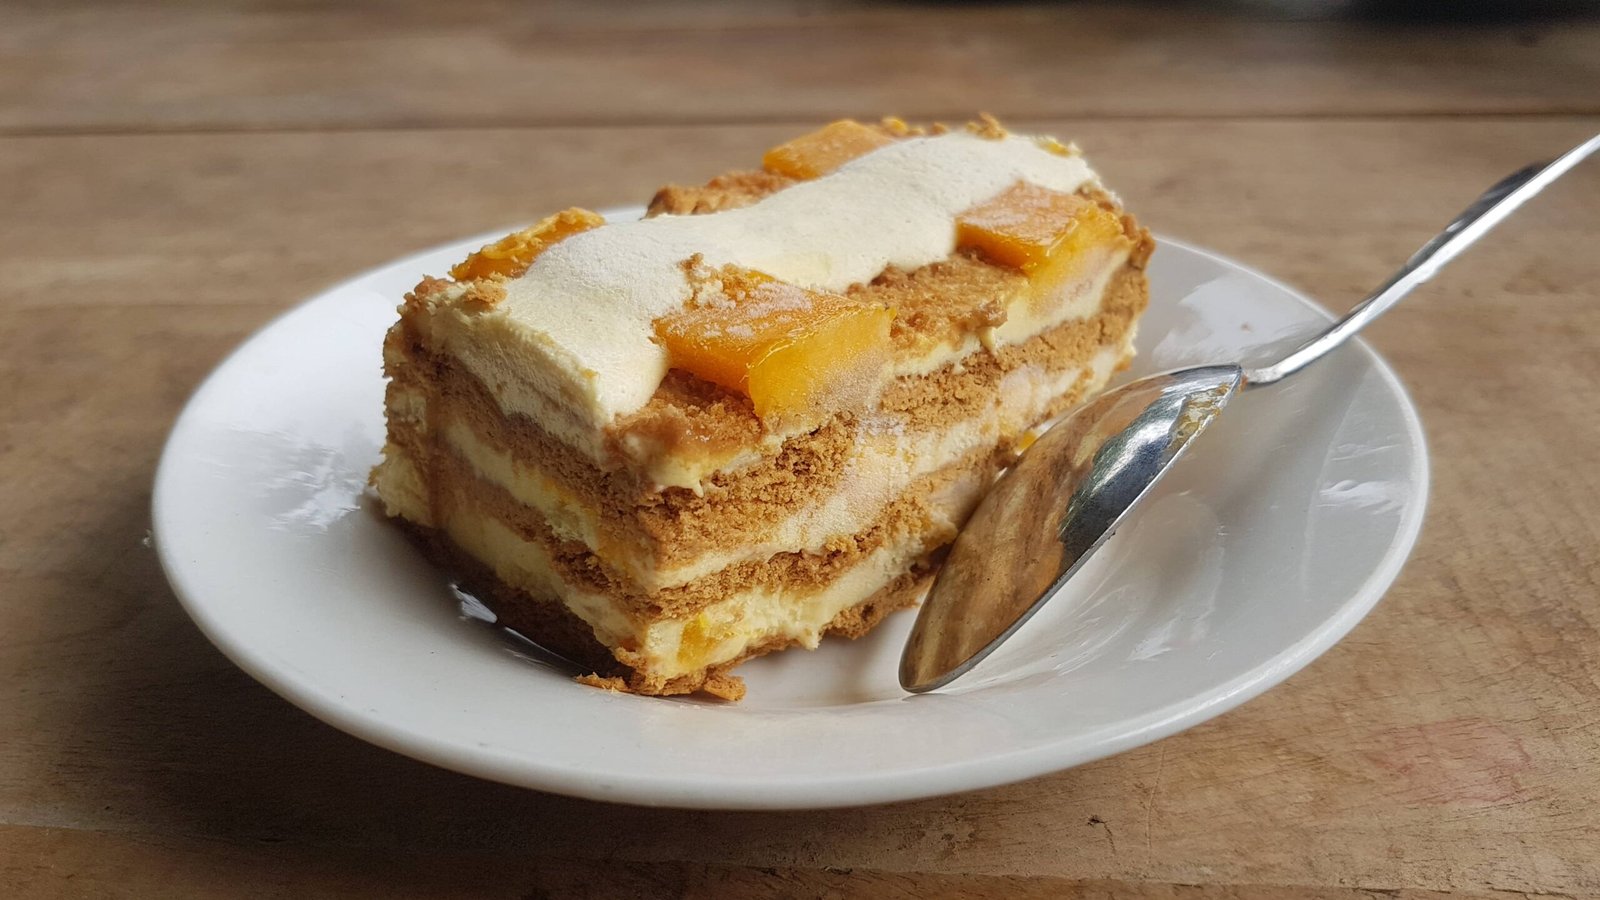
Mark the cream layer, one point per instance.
(890, 457)
(718, 633)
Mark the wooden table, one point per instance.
(172, 176)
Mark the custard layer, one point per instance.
(790, 598)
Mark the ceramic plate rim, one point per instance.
(666, 788)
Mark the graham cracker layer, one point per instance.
(548, 623)
(925, 516)
(672, 527)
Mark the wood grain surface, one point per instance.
(172, 176)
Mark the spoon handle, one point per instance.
(1485, 213)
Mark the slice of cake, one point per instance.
(758, 415)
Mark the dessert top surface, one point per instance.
(584, 310)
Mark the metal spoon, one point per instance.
(1057, 505)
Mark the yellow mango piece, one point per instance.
(832, 361)
(789, 350)
(820, 152)
(513, 254)
(699, 639)
(1040, 231)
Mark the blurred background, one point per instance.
(313, 140)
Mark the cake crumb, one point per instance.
(724, 686)
(727, 191)
(1051, 145)
(987, 127)
(484, 295)
(897, 127)
(605, 683)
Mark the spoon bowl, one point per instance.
(1073, 487)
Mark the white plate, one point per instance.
(1285, 525)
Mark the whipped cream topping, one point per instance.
(586, 307)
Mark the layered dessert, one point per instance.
(758, 415)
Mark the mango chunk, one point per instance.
(513, 254)
(789, 350)
(820, 152)
(700, 638)
(1040, 231)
